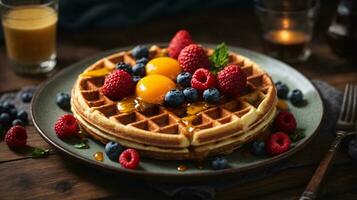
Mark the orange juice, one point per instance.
(30, 34)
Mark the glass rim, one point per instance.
(263, 9)
(49, 3)
(40, 5)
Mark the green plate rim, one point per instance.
(148, 174)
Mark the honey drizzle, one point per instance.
(98, 156)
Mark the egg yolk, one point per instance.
(165, 66)
(152, 88)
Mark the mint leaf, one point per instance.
(81, 145)
(219, 58)
(39, 152)
(298, 135)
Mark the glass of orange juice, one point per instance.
(30, 34)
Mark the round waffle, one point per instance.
(165, 133)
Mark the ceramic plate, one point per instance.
(45, 112)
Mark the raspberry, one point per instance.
(181, 39)
(118, 85)
(203, 79)
(193, 57)
(231, 80)
(278, 143)
(66, 126)
(129, 159)
(285, 122)
(16, 136)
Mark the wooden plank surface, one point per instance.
(57, 178)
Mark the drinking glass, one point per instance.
(30, 34)
(287, 27)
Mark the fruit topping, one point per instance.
(191, 94)
(139, 69)
(124, 66)
(16, 136)
(153, 88)
(66, 126)
(211, 96)
(258, 148)
(113, 150)
(184, 79)
(174, 98)
(140, 51)
(181, 39)
(193, 57)
(232, 80)
(63, 100)
(277, 143)
(285, 122)
(203, 79)
(219, 162)
(296, 97)
(129, 159)
(143, 60)
(26, 96)
(96, 73)
(282, 90)
(118, 85)
(165, 66)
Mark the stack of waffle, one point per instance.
(172, 134)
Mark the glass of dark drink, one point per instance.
(287, 27)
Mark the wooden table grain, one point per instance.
(55, 177)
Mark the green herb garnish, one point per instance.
(81, 145)
(39, 152)
(298, 135)
(219, 58)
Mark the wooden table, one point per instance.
(55, 177)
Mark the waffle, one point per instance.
(165, 133)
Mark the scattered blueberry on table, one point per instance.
(26, 96)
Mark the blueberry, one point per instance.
(13, 113)
(140, 51)
(282, 91)
(8, 106)
(113, 150)
(22, 115)
(352, 149)
(63, 100)
(18, 122)
(142, 60)
(278, 83)
(124, 66)
(184, 79)
(219, 163)
(211, 95)
(174, 98)
(26, 97)
(136, 79)
(139, 69)
(5, 119)
(296, 97)
(258, 148)
(191, 94)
